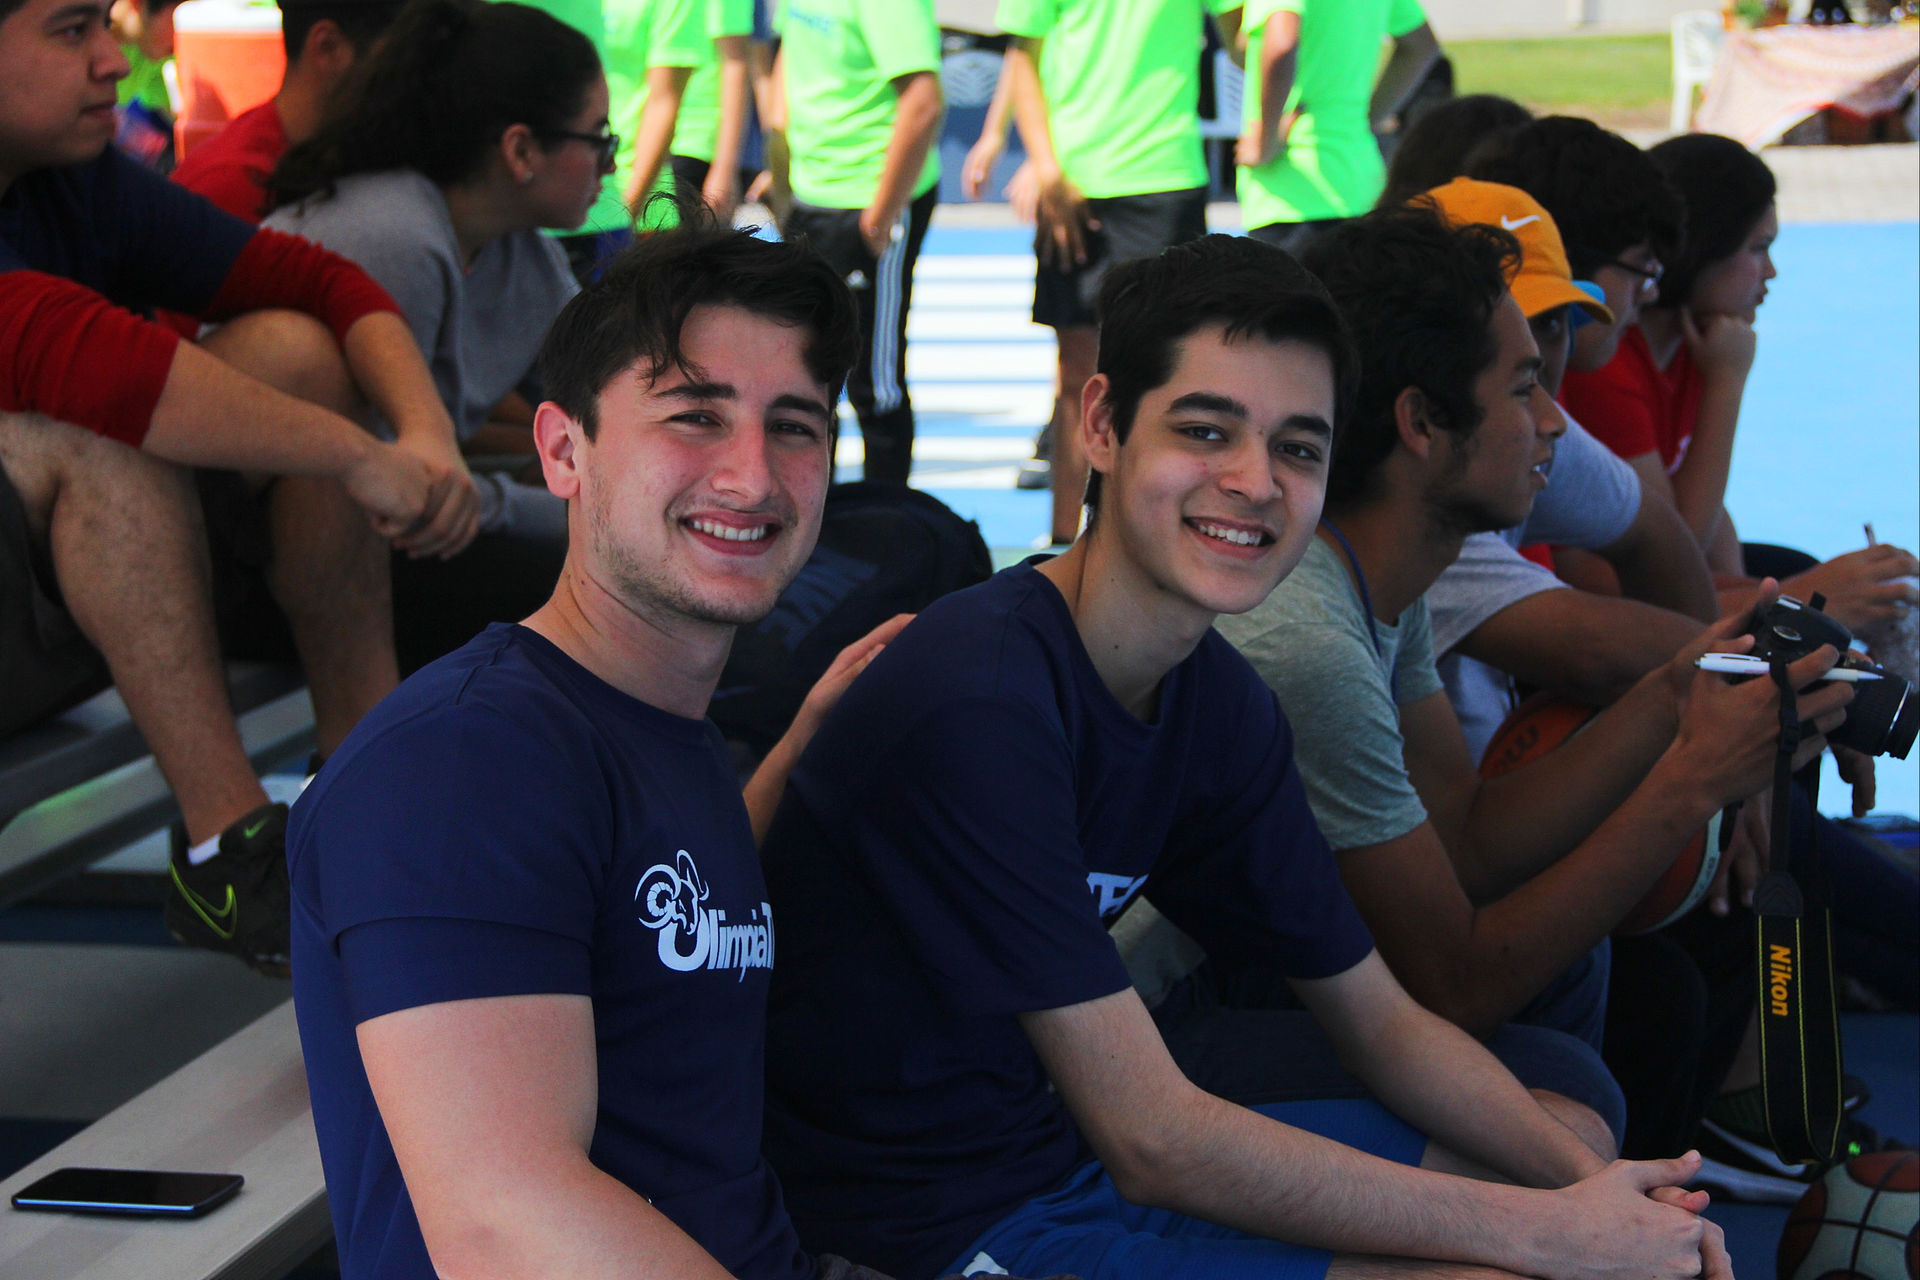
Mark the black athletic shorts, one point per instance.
(240, 547)
(1130, 227)
(1294, 237)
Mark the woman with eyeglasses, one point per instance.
(468, 130)
(1669, 401)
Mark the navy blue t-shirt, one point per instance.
(121, 230)
(952, 846)
(508, 824)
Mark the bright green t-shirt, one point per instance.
(584, 16)
(1122, 82)
(698, 130)
(145, 82)
(841, 58)
(642, 34)
(1331, 167)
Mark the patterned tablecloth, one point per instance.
(1767, 81)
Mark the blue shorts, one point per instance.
(1085, 1228)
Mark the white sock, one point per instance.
(199, 853)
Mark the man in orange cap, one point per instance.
(1496, 603)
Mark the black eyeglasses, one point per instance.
(1649, 276)
(606, 145)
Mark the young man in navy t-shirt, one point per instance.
(532, 940)
(960, 1074)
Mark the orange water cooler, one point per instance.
(228, 56)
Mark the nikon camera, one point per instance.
(1883, 716)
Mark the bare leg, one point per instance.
(329, 571)
(1079, 349)
(123, 531)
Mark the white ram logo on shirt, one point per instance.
(671, 900)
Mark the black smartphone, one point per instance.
(146, 1192)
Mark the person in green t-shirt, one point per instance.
(863, 106)
(1106, 94)
(653, 47)
(705, 151)
(1308, 156)
(144, 29)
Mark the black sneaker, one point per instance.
(1745, 1167)
(236, 901)
(1037, 472)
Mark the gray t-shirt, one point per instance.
(480, 324)
(1590, 500)
(1309, 641)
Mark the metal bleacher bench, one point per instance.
(81, 785)
(242, 1108)
(72, 790)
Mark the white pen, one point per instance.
(1740, 664)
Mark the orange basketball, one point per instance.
(1861, 1221)
(1542, 723)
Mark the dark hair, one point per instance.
(1727, 190)
(635, 312)
(1437, 148)
(1148, 306)
(1419, 295)
(360, 21)
(1603, 192)
(437, 93)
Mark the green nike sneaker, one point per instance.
(236, 901)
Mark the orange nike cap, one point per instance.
(1544, 280)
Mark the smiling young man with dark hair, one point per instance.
(531, 936)
(960, 1073)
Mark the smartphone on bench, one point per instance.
(142, 1192)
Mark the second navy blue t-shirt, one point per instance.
(952, 847)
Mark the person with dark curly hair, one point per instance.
(1618, 216)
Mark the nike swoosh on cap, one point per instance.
(1513, 224)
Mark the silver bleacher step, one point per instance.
(241, 1107)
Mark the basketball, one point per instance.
(1542, 723)
(1861, 1221)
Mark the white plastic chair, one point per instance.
(1697, 34)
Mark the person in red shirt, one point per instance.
(325, 39)
(1669, 401)
(104, 550)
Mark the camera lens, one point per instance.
(1906, 723)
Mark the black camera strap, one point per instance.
(1799, 1020)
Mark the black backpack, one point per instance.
(884, 549)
